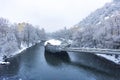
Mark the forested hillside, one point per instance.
(101, 28)
(14, 37)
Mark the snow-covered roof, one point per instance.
(53, 42)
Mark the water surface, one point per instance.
(35, 64)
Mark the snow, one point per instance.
(81, 29)
(23, 47)
(0, 58)
(5, 63)
(98, 23)
(112, 15)
(113, 4)
(107, 17)
(53, 42)
(111, 58)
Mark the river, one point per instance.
(35, 64)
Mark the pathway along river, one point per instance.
(35, 64)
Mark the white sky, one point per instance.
(49, 14)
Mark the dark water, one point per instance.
(35, 64)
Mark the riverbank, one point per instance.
(111, 58)
(34, 64)
(23, 47)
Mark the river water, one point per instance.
(35, 64)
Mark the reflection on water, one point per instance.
(34, 64)
(96, 63)
(11, 69)
(57, 59)
(99, 74)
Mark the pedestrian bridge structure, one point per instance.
(92, 50)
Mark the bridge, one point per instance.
(92, 50)
(66, 47)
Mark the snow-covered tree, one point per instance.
(101, 28)
(27, 33)
(14, 36)
(116, 0)
(8, 42)
(63, 34)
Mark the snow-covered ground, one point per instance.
(23, 47)
(111, 58)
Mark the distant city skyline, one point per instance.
(49, 14)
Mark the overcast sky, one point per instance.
(49, 14)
